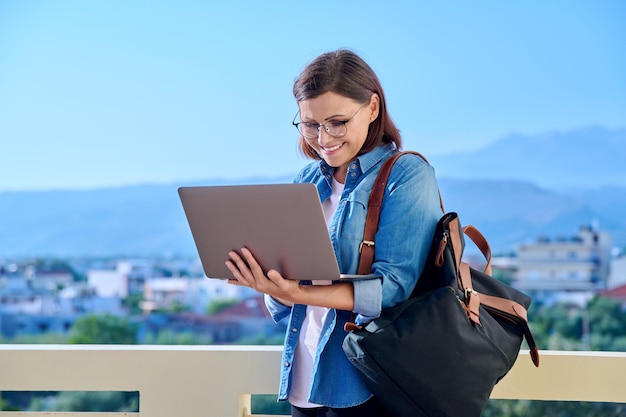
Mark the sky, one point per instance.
(108, 93)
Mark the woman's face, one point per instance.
(331, 107)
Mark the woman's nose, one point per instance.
(323, 136)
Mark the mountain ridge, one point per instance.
(587, 157)
(509, 208)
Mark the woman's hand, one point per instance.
(247, 272)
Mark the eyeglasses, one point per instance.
(334, 128)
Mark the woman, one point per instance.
(344, 126)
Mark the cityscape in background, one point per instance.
(167, 299)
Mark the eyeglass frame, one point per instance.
(326, 129)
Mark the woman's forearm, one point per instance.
(339, 296)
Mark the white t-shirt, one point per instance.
(306, 347)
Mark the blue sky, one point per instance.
(106, 93)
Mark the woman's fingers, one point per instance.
(252, 264)
(239, 269)
(247, 271)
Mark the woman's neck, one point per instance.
(340, 174)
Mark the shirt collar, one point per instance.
(363, 162)
(370, 159)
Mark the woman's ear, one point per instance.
(374, 107)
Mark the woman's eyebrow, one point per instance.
(334, 116)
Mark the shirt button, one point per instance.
(295, 330)
(287, 364)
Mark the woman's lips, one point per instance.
(331, 149)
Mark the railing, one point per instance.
(217, 381)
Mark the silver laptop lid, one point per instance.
(282, 224)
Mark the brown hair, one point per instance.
(344, 72)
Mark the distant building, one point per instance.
(617, 274)
(111, 283)
(245, 320)
(18, 297)
(251, 316)
(196, 292)
(574, 269)
(618, 294)
(12, 325)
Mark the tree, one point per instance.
(525, 408)
(166, 337)
(108, 401)
(103, 329)
(219, 305)
(607, 322)
(133, 303)
(36, 339)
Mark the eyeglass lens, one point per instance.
(333, 128)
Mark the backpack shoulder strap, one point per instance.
(373, 211)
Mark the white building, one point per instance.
(574, 268)
(196, 293)
(110, 283)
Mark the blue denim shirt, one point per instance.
(408, 217)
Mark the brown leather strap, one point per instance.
(515, 312)
(472, 302)
(481, 243)
(373, 212)
(504, 304)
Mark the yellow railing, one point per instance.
(217, 381)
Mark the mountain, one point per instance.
(512, 212)
(134, 220)
(584, 158)
(149, 220)
(513, 191)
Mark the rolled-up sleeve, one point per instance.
(368, 298)
(277, 310)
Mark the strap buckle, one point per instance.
(368, 243)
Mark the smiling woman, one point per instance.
(345, 128)
(336, 143)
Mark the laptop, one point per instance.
(282, 224)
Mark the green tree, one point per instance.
(525, 408)
(90, 401)
(267, 405)
(37, 339)
(133, 303)
(564, 320)
(607, 323)
(167, 337)
(5, 405)
(103, 329)
(176, 306)
(262, 340)
(219, 305)
(601, 325)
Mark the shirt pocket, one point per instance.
(355, 212)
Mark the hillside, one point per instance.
(584, 158)
(532, 186)
(149, 220)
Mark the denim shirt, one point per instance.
(408, 217)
